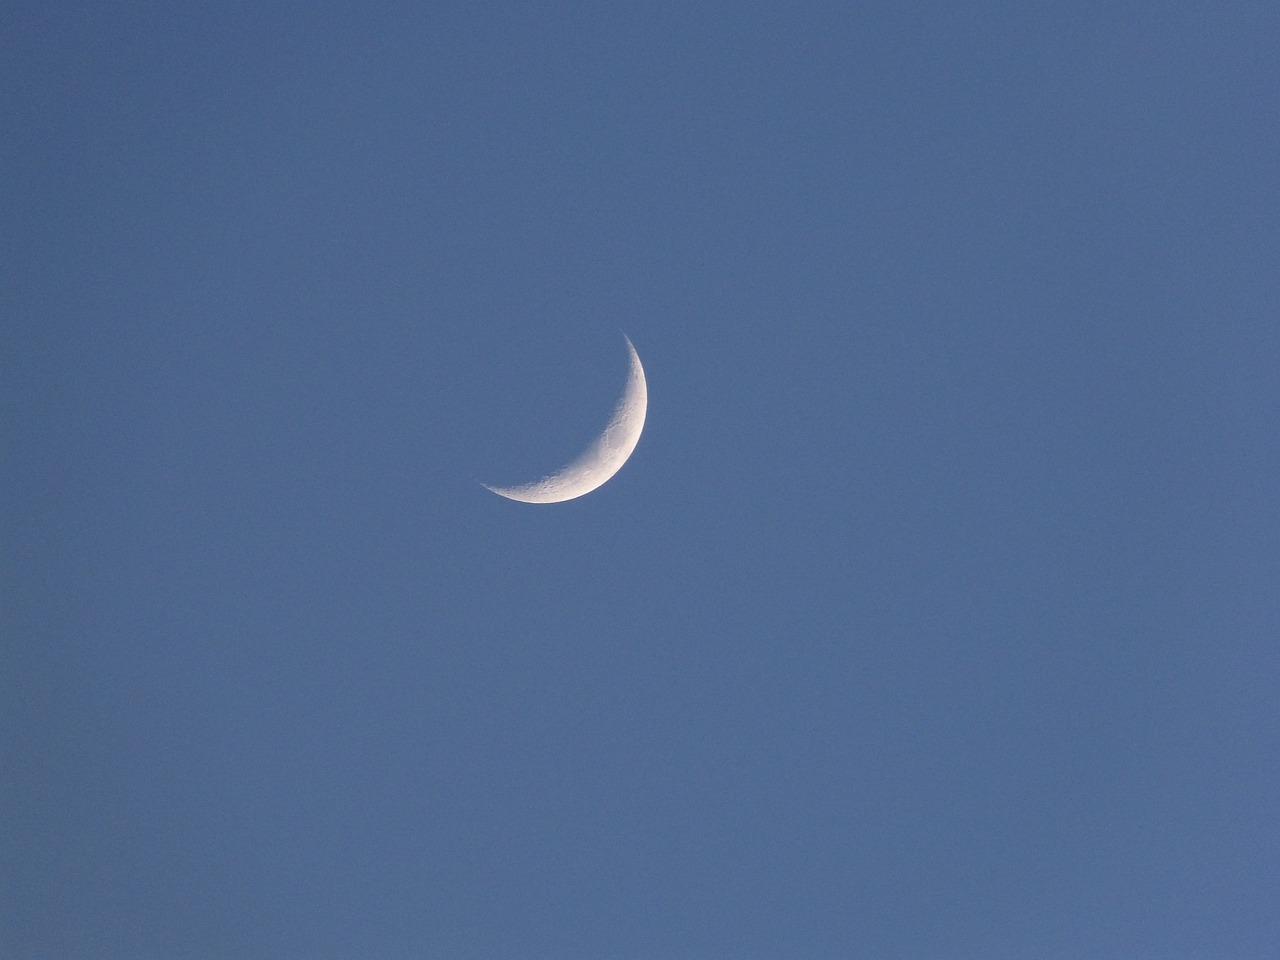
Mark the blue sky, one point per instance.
(934, 616)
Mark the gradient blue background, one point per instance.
(935, 615)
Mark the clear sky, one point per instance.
(935, 615)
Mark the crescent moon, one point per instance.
(603, 458)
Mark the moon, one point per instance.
(603, 458)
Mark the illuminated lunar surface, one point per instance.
(603, 458)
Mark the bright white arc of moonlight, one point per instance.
(603, 458)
